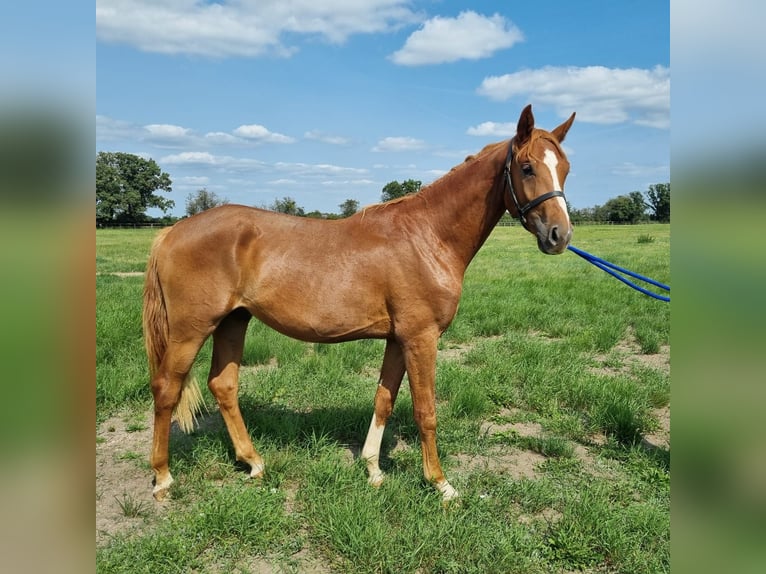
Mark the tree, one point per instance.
(623, 208)
(287, 205)
(202, 200)
(349, 207)
(582, 215)
(394, 189)
(659, 201)
(125, 186)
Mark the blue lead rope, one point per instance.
(609, 267)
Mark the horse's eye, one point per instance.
(526, 169)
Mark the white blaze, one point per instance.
(551, 161)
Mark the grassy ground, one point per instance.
(553, 387)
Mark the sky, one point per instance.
(324, 101)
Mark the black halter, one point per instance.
(522, 211)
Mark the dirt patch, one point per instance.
(515, 463)
(124, 273)
(591, 464)
(271, 364)
(123, 477)
(660, 438)
(124, 481)
(547, 515)
(489, 428)
(627, 354)
(456, 351)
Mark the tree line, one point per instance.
(127, 185)
(635, 207)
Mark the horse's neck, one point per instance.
(465, 205)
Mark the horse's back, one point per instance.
(310, 279)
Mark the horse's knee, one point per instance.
(384, 406)
(224, 390)
(166, 392)
(425, 419)
(221, 385)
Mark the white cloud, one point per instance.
(326, 138)
(310, 169)
(241, 27)
(108, 129)
(165, 135)
(288, 171)
(631, 169)
(399, 144)
(329, 168)
(347, 182)
(485, 129)
(260, 133)
(470, 36)
(195, 180)
(223, 138)
(222, 163)
(167, 131)
(191, 157)
(598, 94)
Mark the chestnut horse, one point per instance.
(393, 271)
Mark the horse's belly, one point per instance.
(329, 318)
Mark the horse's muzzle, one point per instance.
(553, 239)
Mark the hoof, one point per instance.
(256, 471)
(161, 494)
(376, 479)
(449, 494)
(161, 490)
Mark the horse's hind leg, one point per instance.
(228, 344)
(391, 374)
(167, 384)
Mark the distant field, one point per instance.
(553, 388)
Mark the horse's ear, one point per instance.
(561, 132)
(525, 126)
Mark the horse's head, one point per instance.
(535, 170)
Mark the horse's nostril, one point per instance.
(553, 235)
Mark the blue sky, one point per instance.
(328, 101)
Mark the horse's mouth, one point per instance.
(552, 241)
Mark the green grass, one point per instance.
(123, 250)
(130, 507)
(537, 339)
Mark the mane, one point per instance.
(390, 202)
(469, 160)
(487, 149)
(525, 151)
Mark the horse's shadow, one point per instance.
(659, 455)
(273, 426)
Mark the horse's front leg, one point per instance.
(420, 360)
(223, 382)
(391, 374)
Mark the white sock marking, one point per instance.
(371, 451)
(448, 493)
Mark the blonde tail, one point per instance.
(155, 324)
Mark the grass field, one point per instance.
(553, 395)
